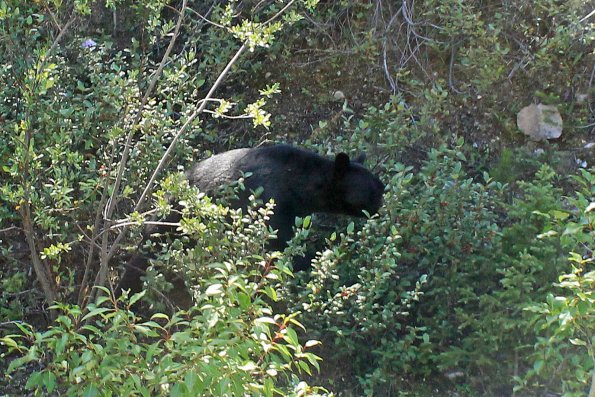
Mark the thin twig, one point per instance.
(390, 79)
(42, 271)
(321, 27)
(144, 100)
(56, 42)
(198, 15)
(589, 89)
(8, 229)
(281, 11)
(407, 15)
(90, 239)
(114, 22)
(95, 235)
(225, 116)
(587, 16)
(165, 157)
(53, 18)
(136, 223)
(387, 29)
(453, 52)
(5, 323)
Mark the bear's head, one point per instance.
(354, 188)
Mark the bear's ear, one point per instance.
(360, 159)
(341, 165)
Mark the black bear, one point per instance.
(299, 181)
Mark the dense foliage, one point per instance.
(475, 278)
(442, 285)
(230, 342)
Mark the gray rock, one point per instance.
(338, 96)
(540, 122)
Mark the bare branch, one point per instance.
(205, 19)
(111, 204)
(225, 116)
(281, 11)
(587, 16)
(453, 52)
(84, 287)
(42, 271)
(589, 89)
(387, 73)
(165, 157)
(8, 229)
(134, 223)
(592, 389)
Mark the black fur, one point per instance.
(300, 182)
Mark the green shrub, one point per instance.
(229, 343)
(454, 276)
(563, 355)
(437, 284)
(88, 126)
(355, 297)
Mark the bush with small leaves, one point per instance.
(563, 354)
(229, 343)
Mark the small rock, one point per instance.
(338, 95)
(581, 98)
(454, 374)
(589, 145)
(540, 122)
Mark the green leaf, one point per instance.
(20, 361)
(572, 228)
(48, 379)
(264, 320)
(61, 343)
(578, 342)
(194, 383)
(350, 227)
(91, 391)
(248, 367)
(136, 297)
(160, 315)
(291, 337)
(305, 367)
(550, 233)
(560, 215)
(244, 300)
(179, 389)
(214, 289)
(96, 311)
(307, 222)
(270, 292)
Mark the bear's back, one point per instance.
(276, 169)
(216, 171)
